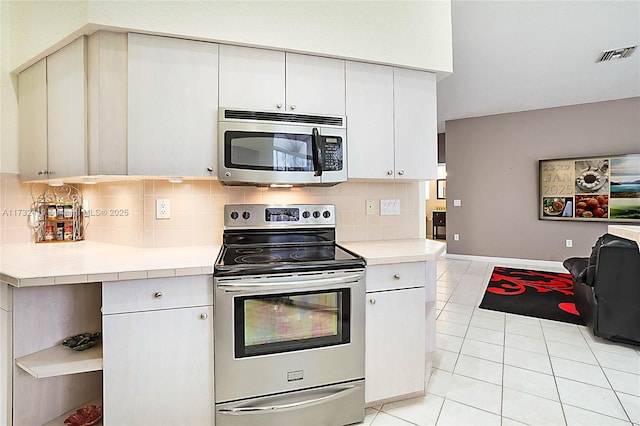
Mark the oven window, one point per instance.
(269, 324)
(268, 151)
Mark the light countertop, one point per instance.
(29, 264)
(396, 251)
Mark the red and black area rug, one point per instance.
(537, 294)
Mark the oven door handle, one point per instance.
(237, 411)
(268, 284)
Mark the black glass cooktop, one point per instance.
(268, 252)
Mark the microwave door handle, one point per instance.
(316, 147)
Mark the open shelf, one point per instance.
(60, 360)
(59, 421)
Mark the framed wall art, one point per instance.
(603, 188)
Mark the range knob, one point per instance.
(234, 215)
(316, 214)
(246, 215)
(326, 214)
(306, 214)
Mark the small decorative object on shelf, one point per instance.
(82, 341)
(56, 215)
(85, 416)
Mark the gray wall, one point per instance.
(492, 167)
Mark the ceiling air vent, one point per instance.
(610, 55)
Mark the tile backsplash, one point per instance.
(124, 212)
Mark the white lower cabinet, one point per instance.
(395, 355)
(158, 361)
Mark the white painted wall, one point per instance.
(412, 34)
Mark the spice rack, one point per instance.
(57, 215)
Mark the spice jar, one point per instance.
(60, 231)
(59, 211)
(68, 211)
(52, 211)
(68, 231)
(49, 233)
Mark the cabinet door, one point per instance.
(158, 367)
(315, 85)
(369, 98)
(173, 100)
(251, 79)
(32, 121)
(415, 124)
(67, 111)
(395, 343)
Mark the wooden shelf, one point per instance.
(58, 421)
(60, 360)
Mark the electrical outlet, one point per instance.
(389, 207)
(456, 237)
(569, 243)
(163, 209)
(371, 207)
(457, 203)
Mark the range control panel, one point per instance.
(279, 215)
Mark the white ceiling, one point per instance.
(513, 56)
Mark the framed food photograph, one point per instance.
(590, 189)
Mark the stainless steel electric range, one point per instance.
(289, 319)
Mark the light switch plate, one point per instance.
(370, 207)
(389, 207)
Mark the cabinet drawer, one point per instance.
(157, 293)
(395, 276)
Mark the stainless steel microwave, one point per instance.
(281, 149)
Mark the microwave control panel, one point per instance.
(333, 157)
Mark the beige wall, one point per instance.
(197, 207)
(492, 167)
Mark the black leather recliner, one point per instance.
(607, 288)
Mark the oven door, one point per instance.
(281, 333)
(259, 153)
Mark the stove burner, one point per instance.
(309, 254)
(249, 250)
(257, 258)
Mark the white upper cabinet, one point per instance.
(370, 120)
(32, 121)
(268, 80)
(416, 135)
(172, 106)
(52, 115)
(315, 85)
(391, 122)
(251, 78)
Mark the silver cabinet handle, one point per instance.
(396, 276)
(390, 172)
(372, 301)
(157, 294)
(401, 172)
(292, 107)
(43, 172)
(278, 106)
(204, 316)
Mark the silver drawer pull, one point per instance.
(396, 276)
(204, 316)
(372, 301)
(157, 294)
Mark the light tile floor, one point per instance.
(493, 368)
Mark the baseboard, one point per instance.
(504, 260)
